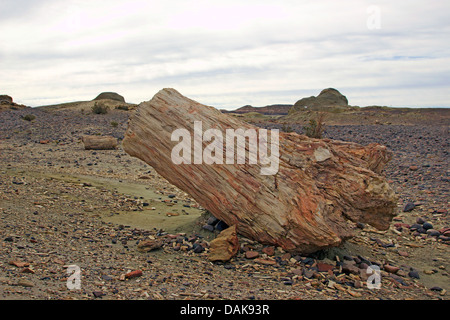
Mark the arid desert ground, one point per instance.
(62, 206)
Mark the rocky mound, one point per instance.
(110, 96)
(5, 99)
(327, 99)
(6, 102)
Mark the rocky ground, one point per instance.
(63, 206)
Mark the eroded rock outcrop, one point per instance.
(328, 99)
(110, 96)
(7, 103)
(5, 99)
(321, 187)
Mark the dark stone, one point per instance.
(179, 239)
(398, 279)
(282, 263)
(198, 248)
(98, 294)
(220, 226)
(9, 239)
(208, 227)
(360, 225)
(422, 230)
(414, 274)
(436, 289)
(364, 260)
(349, 258)
(409, 207)
(433, 233)
(415, 226)
(427, 226)
(308, 261)
(212, 221)
(229, 266)
(420, 220)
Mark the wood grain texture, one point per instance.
(321, 189)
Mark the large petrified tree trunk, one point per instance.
(321, 187)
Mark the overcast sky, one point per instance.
(227, 53)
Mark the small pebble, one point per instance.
(251, 254)
(427, 226)
(420, 220)
(409, 207)
(208, 227)
(414, 274)
(98, 294)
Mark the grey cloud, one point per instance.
(18, 9)
(282, 59)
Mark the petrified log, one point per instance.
(99, 142)
(320, 189)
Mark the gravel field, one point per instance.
(64, 209)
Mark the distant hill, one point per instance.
(335, 105)
(111, 100)
(328, 99)
(110, 96)
(275, 109)
(353, 115)
(86, 106)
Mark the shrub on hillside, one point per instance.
(122, 108)
(316, 126)
(29, 117)
(100, 108)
